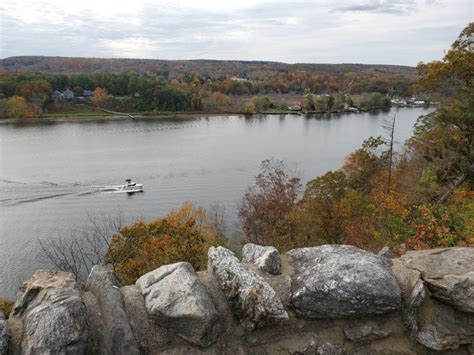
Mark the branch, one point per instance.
(455, 185)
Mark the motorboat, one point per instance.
(131, 186)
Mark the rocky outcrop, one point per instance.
(448, 273)
(117, 337)
(50, 315)
(252, 300)
(4, 337)
(265, 258)
(176, 299)
(327, 300)
(337, 281)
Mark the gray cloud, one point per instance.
(377, 31)
(385, 6)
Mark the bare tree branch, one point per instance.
(84, 248)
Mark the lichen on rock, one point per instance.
(266, 258)
(252, 300)
(176, 299)
(337, 281)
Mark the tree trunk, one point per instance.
(455, 185)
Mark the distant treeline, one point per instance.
(152, 85)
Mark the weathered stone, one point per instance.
(386, 252)
(3, 335)
(117, 335)
(95, 341)
(281, 284)
(176, 299)
(329, 349)
(413, 292)
(441, 327)
(266, 258)
(448, 273)
(335, 281)
(364, 332)
(52, 313)
(142, 325)
(253, 302)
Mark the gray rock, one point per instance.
(448, 273)
(176, 299)
(364, 332)
(151, 337)
(413, 292)
(52, 314)
(336, 281)
(3, 335)
(252, 301)
(386, 252)
(117, 334)
(329, 349)
(266, 258)
(441, 327)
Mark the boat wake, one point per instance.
(32, 192)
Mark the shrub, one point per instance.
(183, 235)
(6, 306)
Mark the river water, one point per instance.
(54, 175)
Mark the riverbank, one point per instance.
(104, 116)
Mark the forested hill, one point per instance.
(213, 69)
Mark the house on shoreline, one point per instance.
(69, 95)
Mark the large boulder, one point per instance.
(336, 281)
(51, 314)
(176, 299)
(266, 258)
(116, 333)
(3, 335)
(448, 273)
(252, 301)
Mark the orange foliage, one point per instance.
(183, 235)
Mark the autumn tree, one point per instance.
(18, 107)
(100, 96)
(35, 91)
(267, 204)
(183, 235)
(445, 138)
(220, 98)
(308, 102)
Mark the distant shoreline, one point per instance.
(145, 116)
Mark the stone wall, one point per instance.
(332, 299)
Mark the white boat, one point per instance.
(131, 186)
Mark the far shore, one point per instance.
(95, 116)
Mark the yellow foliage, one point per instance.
(183, 235)
(18, 107)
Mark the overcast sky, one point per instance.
(362, 31)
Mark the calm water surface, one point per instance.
(52, 176)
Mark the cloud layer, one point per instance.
(370, 31)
